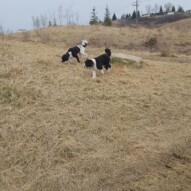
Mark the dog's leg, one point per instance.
(108, 70)
(102, 71)
(76, 56)
(93, 74)
(82, 51)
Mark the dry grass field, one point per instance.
(127, 130)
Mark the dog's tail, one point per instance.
(89, 63)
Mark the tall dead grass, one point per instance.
(168, 40)
(60, 130)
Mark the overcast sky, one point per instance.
(17, 14)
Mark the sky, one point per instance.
(17, 14)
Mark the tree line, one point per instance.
(168, 7)
(107, 21)
(54, 18)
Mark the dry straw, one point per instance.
(127, 130)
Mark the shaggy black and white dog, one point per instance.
(75, 51)
(99, 63)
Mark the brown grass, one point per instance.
(119, 38)
(60, 130)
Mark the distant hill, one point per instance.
(181, 25)
(154, 21)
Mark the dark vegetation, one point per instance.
(153, 21)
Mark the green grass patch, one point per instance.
(122, 61)
(8, 94)
(18, 96)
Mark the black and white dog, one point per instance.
(99, 63)
(75, 51)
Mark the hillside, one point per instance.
(154, 20)
(127, 130)
(157, 21)
(183, 25)
(166, 39)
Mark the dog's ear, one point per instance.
(84, 43)
(108, 51)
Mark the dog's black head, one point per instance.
(88, 63)
(65, 57)
(108, 51)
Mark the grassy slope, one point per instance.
(61, 130)
(183, 25)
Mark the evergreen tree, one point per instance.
(54, 22)
(127, 16)
(114, 18)
(138, 14)
(123, 17)
(180, 9)
(49, 23)
(161, 10)
(107, 19)
(133, 15)
(94, 18)
(173, 9)
(100, 22)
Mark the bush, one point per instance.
(155, 44)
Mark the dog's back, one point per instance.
(75, 50)
(102, 60)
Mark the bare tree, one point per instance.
(156, 8)
(51, 17)
(2, 34)
(77, 15)
(36, 22)
(148, 8)
(168, 7)
(1, 29)
(44, 20)
(60, 14)
(69, 16)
